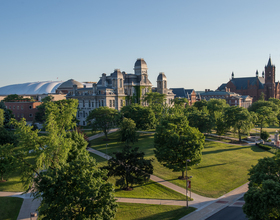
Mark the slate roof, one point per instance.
(242, 83)
(216, 93)
(179, 92)
(222, 87)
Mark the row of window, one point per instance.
(22, 115)
(21, 107)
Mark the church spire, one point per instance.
(269, 61)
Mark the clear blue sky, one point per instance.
(196, 43)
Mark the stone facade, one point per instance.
(117, 90)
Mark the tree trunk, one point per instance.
(239, 135)
(183, 174)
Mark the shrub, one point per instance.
(264, 135)
(264, 147)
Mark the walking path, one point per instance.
(205, 206)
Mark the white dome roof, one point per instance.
(33, 88)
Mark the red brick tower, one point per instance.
(269, 80)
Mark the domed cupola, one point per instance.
(161, 83)
(140, 67)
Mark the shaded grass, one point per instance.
(13, 183)
(150, 190)
(130, 211)
(223, 167)
(9, 207)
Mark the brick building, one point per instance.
(232, 98)
(190, 94)
(255, 86)
(22, 109)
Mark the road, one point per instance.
(232, 212)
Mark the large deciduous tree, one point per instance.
(62, 174)
(143, 116)
(130, 166)
(103, 118)
(128, 132)
(76, 190)
(156, 102)
(201, 120)
(40, 114)
(239, 119)
(175, 142)
(8, 114)
(262, 199)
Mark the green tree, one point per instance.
(128, 132)
(216, 105)
(266, 116)
(264, 135)
(76, 190)
(2, 117)
(262, 97)
(130, 166)
(156, 102)
(239, 119)
(15, 98)
(258, 104)
(262, 199)
(200, 120)
(6, 161)
(143, 116)
(40, 114)
(200, 104)
(63, 173)
(48, 151)
(8, 114)
(103, 118)
(175, 142)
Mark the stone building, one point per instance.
(255, 86)
(117, 90)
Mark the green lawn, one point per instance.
(9, 207)
(14, 183)
(150, 190)
(130, 211)
(223, 168)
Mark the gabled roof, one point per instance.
(179, 92)
(222, 87)
(242, 83)
(189, 91)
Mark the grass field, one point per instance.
(223, 168)
(9, 207)
(130, 211)
(150, 190)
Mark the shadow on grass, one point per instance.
(170, 215)
(225, 150)
(220, 164)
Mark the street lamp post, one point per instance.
(187, 182)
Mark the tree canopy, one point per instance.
(63, 174)
(239, 119)
(143, 116)
(262, 199)
(103, 118)
(128, 133)
(15, 98)
(76, 190)
(175, 142)
(130, 166)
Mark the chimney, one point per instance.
(74, 89)
(94, 88)
(103, 79)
